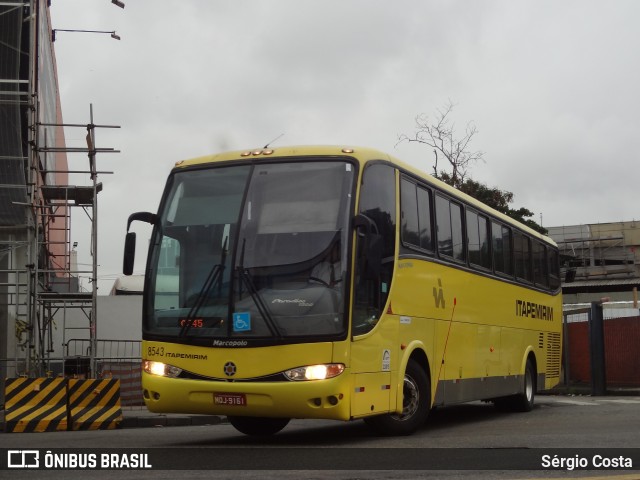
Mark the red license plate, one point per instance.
(230, 399)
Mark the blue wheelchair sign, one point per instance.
(241, 322)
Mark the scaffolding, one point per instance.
(41, 291)
(39, 274)
(17, 42)
(590, 253)
(58, 289)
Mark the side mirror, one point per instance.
(147, 217)
(129, 253)
(130, 239)
(364, 225)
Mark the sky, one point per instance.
(551, 86)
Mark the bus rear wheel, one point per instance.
(258, 426)
(522, 402)
(415, 405)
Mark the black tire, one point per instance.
(416, 405)
(524, 401)
(258, 426)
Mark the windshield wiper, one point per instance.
(215, 276)
(245, 277)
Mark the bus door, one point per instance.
(374, 331)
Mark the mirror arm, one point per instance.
(147, 217)
(362, 221)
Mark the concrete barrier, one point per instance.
(94, 404)
(36, 404)
(59, 404)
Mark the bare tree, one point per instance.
(439, 134)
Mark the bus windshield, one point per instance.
(252, 252)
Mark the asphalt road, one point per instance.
(471, 441)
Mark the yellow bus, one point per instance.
(339, 283)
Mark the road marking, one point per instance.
(571, 401)
(621, 400)
(613, 474)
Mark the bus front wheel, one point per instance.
(258, 426)
(416, 404)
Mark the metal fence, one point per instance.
(114, 359)
(600, 346)
(119, 359)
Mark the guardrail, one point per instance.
(119, 359)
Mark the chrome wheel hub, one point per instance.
(411, 399)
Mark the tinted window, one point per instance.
(443, 222)
(416, 215)
(424, 218)
(540, 265)
(478, 235)
(522, 256)
(409, 208)
(554, 270)
(373, 283)
(501, 240)
(449, 224)
(456, 232)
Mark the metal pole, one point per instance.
(596, 342)
(565, 351)
(91, 142)
(32, 221)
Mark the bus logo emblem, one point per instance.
(229, 369)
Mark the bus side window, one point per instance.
(449, 228)
(540, 265)
(415, 208)
(410, 231)
(424, 219)
(501, 239)
(522, 255)
(554, 269)
(378, 203)
(478, 238)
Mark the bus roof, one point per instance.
(364, 155)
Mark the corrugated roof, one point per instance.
(613, 282)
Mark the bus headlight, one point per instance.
(315, 372)
(161, 369)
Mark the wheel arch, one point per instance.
(417, 352)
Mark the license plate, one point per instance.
(230, 399)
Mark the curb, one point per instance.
(572, 390)
(156, 420)
(170, 421)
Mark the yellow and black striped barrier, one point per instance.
(35, 404)
(58, 404)
(94, 404)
